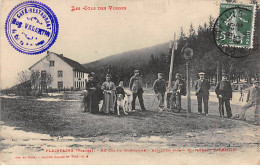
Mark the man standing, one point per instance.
(253, 99)
(176, 94)
(224, 94)
(159, 88)
(202, 87)
(91, 100)
(136, 86)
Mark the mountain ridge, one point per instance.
(129, 58)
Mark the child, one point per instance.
(241, 94)
(119, 90)
(159, 88)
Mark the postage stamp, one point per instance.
(31, 27)
(236, 25)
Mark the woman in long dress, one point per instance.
(109, 89)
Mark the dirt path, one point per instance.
(32, 132)
(241, 147)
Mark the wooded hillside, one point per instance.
(207, 58)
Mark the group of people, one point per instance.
(223, 91)
(108, 92)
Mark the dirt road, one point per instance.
(36, 128)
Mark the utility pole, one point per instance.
(171, 65)
(173, 47)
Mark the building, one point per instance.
(66, 73)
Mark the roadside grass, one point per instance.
(63, 118)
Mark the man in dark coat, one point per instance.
(91, 97)
(224, 94)
(159, 88)
(202, 87)
(136, 86)
(176, 94)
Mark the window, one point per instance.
(51, 63)
(60, 85)
(60, 74)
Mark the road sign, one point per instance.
(188, 53)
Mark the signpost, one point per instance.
(188, 53)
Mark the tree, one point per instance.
(33, 83)
(192, 32)
(25, 86)
(35, 79)
(182, 35)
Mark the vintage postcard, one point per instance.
(130, 82)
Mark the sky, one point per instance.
(89, 35)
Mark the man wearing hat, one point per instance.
(202, 87)
(253, 99)
(159, 88)
(224, 94)
(178, 88)
(90, 99)
(136, 86)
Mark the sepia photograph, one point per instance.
(130, 82)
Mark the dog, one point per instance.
(120, 101)
(128, 100)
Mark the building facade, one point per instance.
(66, 73)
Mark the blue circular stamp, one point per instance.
(31, 27)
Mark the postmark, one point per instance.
(31, 27)
(233, 30)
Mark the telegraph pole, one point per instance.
(173, 47)
(171, 65)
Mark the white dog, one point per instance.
(128, 100)
(120, 101)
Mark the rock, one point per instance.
(220, 132)
(106, 139)
(189, 135)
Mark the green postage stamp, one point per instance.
(236, 25)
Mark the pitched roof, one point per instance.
(74, 64)
(77, 66)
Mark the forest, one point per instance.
(207, 57)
